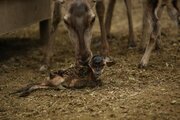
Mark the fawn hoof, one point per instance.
(24, 94)
(43, 68)
(110, 61)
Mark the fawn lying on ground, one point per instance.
(73, 77)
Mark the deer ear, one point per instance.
(65, 3)
(92, 17)
(92, 3)
(66, 20)
(92, 20)
(109, 61)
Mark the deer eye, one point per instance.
(92, 20)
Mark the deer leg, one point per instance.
(151, 44)
(158, 41)
(45, 38)
(100, 9)
(109, 15)
(145, 28)
(47, 31)
(174, 12)
(154, 36)
(131, 41)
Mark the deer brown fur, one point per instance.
(151, 24)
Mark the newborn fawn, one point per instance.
(73, 77)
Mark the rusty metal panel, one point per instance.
(20, 13)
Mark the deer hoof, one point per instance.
(142, 65)
(131, 45)
(141, 50)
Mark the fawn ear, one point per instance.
(109, 61)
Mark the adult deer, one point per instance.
(151, 26)
(79, 20)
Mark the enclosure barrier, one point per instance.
(17, 14)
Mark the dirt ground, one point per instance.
(127, 92)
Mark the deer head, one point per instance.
(79, 21)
